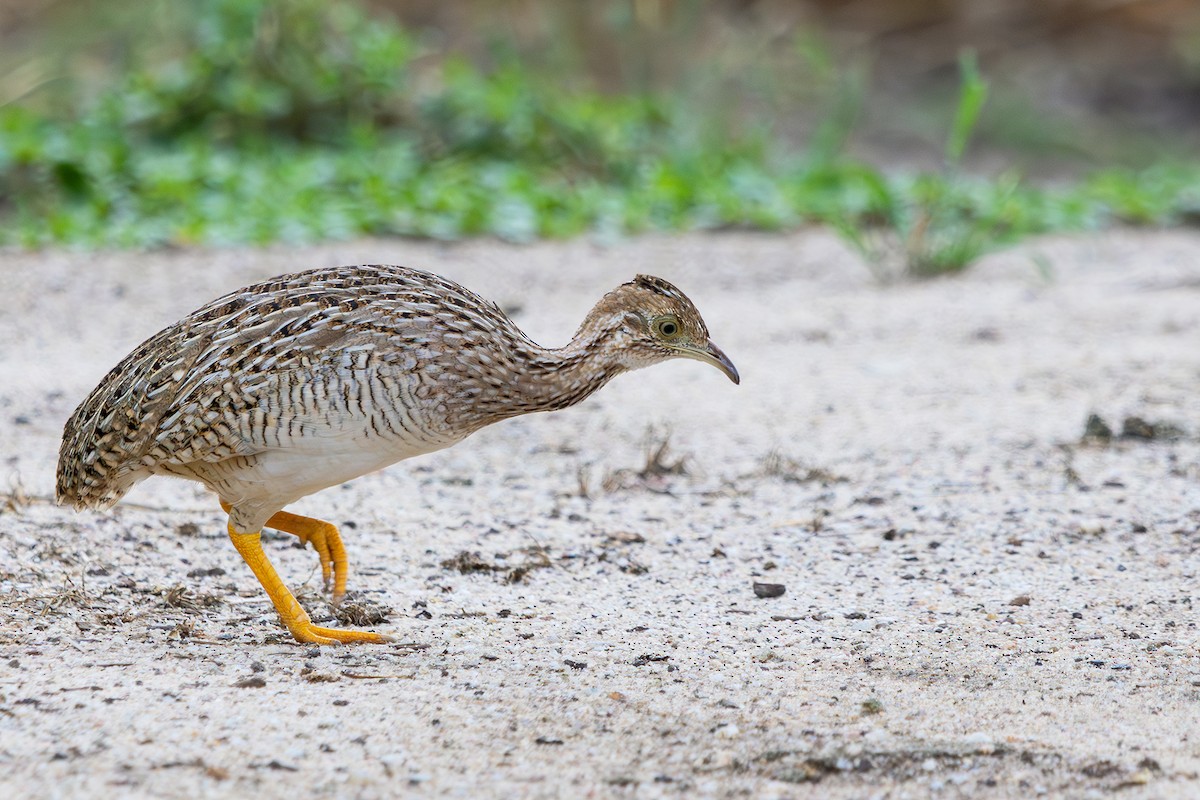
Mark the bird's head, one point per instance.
(654, 321)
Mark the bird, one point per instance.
(308, 380)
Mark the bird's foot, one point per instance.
(291, 614)
(305, 631)
(326, 540)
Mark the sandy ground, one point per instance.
(977, 604)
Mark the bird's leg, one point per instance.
(295, 618)
(325, 540)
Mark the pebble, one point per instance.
(1140, 778)
(251, 682)
(980, 742)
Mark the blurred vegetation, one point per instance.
(231, 121)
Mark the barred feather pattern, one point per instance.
(305, 381)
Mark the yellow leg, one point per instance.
(249, 545)
(324, 538)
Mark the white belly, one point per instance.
(257, 486)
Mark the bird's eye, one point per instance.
(667, 327)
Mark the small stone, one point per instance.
(1138, 428)
(1139, 778)
(1096, 429)
(729, 731)
(319, 675)
(769, 589)
(1020, 600)
(251, 682)
(209, 572)
(647, 658)
(980, 742)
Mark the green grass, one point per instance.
(299, 120)
(934, 228)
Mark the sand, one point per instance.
(977, 603)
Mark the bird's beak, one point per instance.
(715, 356)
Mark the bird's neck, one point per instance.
(554, 378)
(546, 379)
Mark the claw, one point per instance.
(316, 537)
(326, 541)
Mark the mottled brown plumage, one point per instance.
(286, 387)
